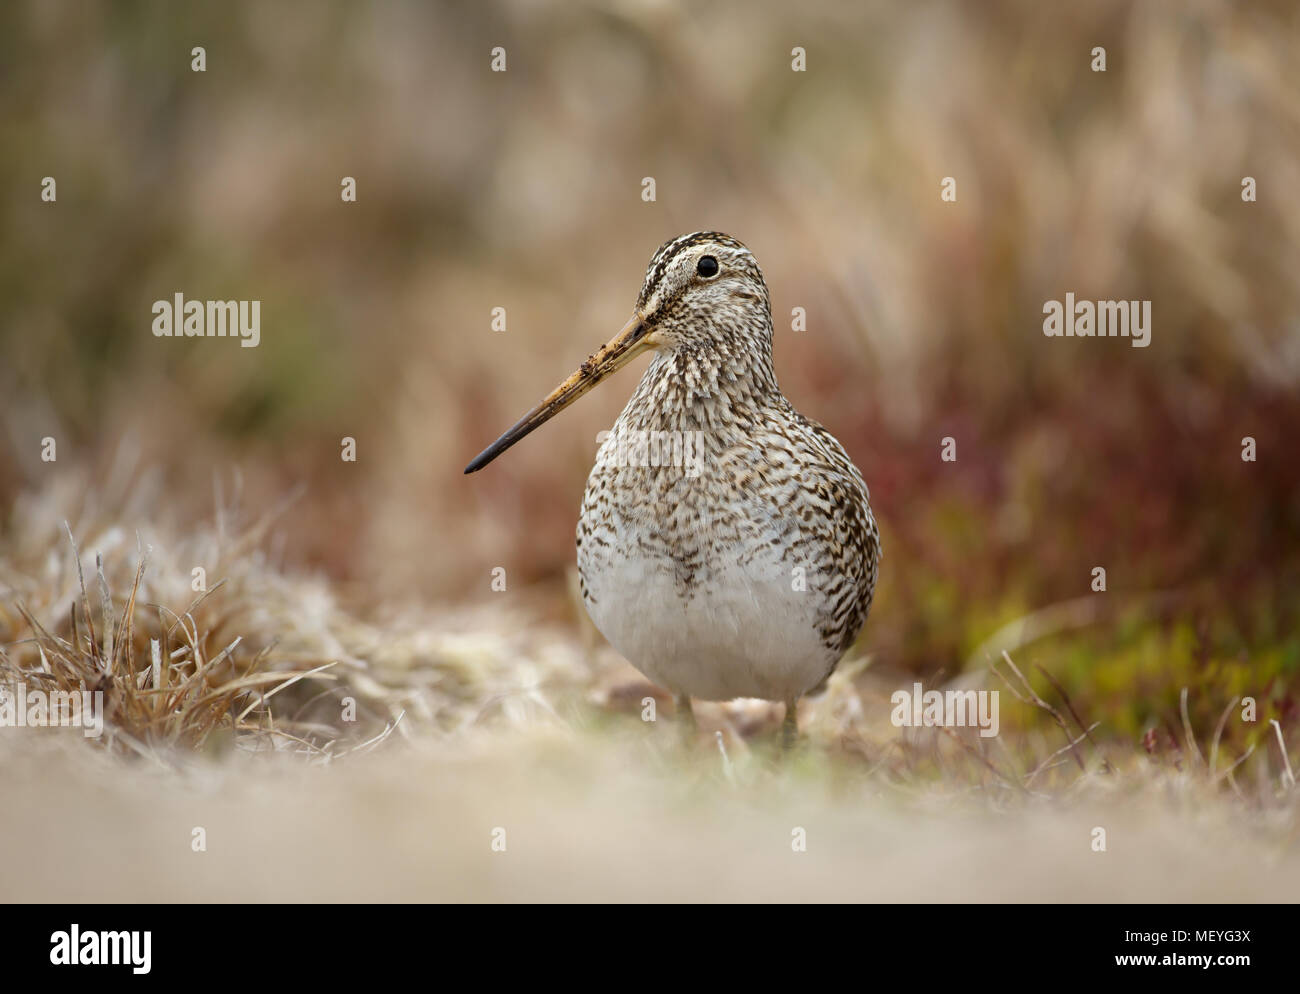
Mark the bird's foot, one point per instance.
(790, 726)
(686, 718)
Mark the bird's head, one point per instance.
(703, 292)
(704, 289)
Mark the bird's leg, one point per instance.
(790, 727)
(686, 715)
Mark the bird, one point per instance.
(726, 544)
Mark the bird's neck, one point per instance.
(701, 389)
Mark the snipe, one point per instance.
(726, 544)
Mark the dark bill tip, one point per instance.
(534, 419)
(479, 461)
(495, 449)
(608, 358)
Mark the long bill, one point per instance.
(630, 342)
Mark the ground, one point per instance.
(505, 756)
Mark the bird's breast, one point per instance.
(700, 581)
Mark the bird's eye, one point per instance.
(707, 266)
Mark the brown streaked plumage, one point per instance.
(726, 544)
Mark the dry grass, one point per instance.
(264, 658)
(462, 729)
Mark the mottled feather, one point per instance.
(755, 575)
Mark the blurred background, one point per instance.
(523, 190)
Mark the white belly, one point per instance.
(728, 631)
